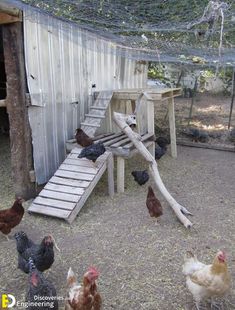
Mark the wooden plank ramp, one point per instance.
(67, 191)
(97, 113)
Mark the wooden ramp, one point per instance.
(67, 191)
(96, 113)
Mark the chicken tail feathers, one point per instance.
(191, 263)
(71, 278)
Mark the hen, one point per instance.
(42, 254)
(41, 293)
(9, 218)
(161, 148)
(153, 204)
(206, 281)
(160, 151)
(82, 138)
(197, 135)
(92, 152)
(162, 141)
(141, 177)
(85, 296)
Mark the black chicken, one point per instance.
(196, 135)
(42, 254)
(159, 152)
(22, 241)
(161, 148)
(82, 138)
(92, 152)
(162, 141)
(40, 290)
(141, 177)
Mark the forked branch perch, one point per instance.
(180, 211)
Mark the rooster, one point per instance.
(85, 296)
(9, 218)
(82, 138)
(153, 204)
(40, 290)
(42, 254)
(206, 281)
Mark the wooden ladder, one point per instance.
(67, 191)
(96, 113)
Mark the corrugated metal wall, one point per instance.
(62, 63)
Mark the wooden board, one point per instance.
(54, 203)
(74, 175)
(46, 210)
(76, 168)
(64, 189)
(69, 182)
(78, 162)
(60, 196)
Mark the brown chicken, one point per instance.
(85, 296)
(82, 138)
(153, 204)
(206, 281)
(9, 218)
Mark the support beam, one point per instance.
(120, 174)
(20, 133)
(180, 211)
(171, 111)
(110, 168)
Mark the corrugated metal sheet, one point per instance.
(62, 63)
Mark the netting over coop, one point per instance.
(168, 31)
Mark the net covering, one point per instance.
(195, 31)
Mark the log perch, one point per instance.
(180, 211)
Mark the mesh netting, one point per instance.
(201, 31)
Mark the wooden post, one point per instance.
(20, 133)
(232, 99)
(110, 175)
(179, 210)
(171, 109)
(120, 174)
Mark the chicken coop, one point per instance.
(51, 70)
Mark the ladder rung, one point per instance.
(98, 108)
(90, 125)
(95, 115)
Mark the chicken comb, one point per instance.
(93, 270)
(55, 244)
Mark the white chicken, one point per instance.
(206, 281)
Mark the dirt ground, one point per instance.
(139, 259)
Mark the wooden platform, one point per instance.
(67, 191)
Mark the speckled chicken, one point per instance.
(42, 254)
(83, 296)
(82, 138)
(40, 290)
(141, 177)
(92, 152)
(153, 204)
